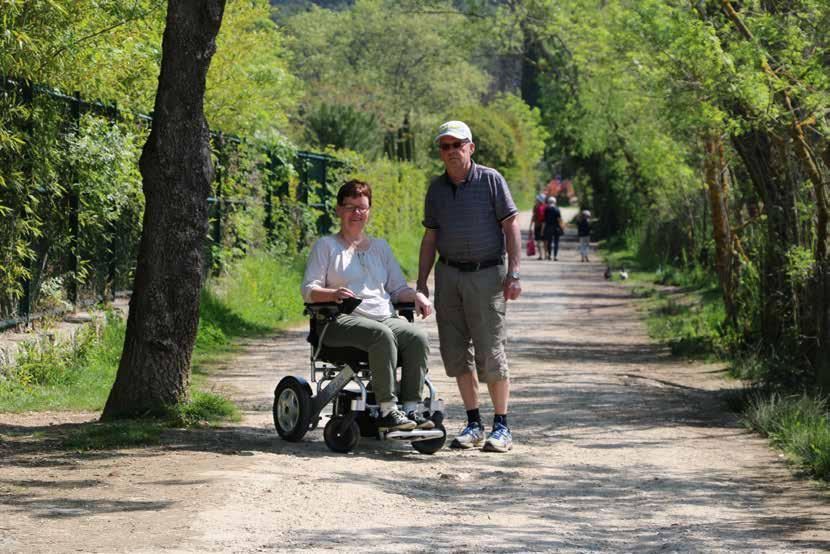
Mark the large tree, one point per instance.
(154, 372)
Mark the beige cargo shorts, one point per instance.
(470, 310)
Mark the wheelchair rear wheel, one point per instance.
(292, 409)
(344, 440)
(431, 446)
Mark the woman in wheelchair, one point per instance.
(351, 264)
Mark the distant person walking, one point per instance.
(537, 221)
(552, 229)
(583, 230)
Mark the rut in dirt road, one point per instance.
(618, 447)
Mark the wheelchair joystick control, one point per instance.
(347, 305)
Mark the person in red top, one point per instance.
(537, 219)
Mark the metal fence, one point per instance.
(110, 265)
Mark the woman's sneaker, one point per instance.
(395, 420)
(500, 440)
(420, 421)
(472, 436)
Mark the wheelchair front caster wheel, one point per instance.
(292, 409)
(344, 440)
(432, 446)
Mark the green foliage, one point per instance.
(384, 59)
(801, 264)
(343, 127)
(112, 50)
(798, 425)
(250, 88)
(103, 157)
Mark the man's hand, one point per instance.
(512, 288)
(422, 305)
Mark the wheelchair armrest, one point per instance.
(347, 306)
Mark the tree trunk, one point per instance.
(822, 355)
(154, 372)
(718, 194)
(764, 160)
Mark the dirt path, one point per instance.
(618, 448)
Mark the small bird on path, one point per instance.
(607, 273)
(623, 274)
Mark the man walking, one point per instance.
(470, 219)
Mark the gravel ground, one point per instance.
(618, 447)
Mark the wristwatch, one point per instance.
(514, 275)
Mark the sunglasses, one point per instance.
(445, 146)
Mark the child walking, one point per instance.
(583, 228)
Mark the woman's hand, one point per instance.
(422, 305)
(341, 293)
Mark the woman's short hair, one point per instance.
(354, 189)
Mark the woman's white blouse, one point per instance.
(373, 275)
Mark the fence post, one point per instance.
(112, 261)
(324, 222)
(216, 233)
(269, 201)
(217, 223)
(302, 187)
(74, 207)
(408, 140)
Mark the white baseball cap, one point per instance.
(457, 129)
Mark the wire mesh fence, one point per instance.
(70, 216)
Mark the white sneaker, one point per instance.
(500, 440)
(472, 436)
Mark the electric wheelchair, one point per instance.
(346, 374)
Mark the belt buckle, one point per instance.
(477, 266)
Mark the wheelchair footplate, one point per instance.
(415, 435)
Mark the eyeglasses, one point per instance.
(355, 209)
(445, 146)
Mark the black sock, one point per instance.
(473, 416)
(500, 418)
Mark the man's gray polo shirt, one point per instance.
(468, 217)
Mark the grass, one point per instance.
(73, 374)
(689, 322)
(684, 305)
(797, 425)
